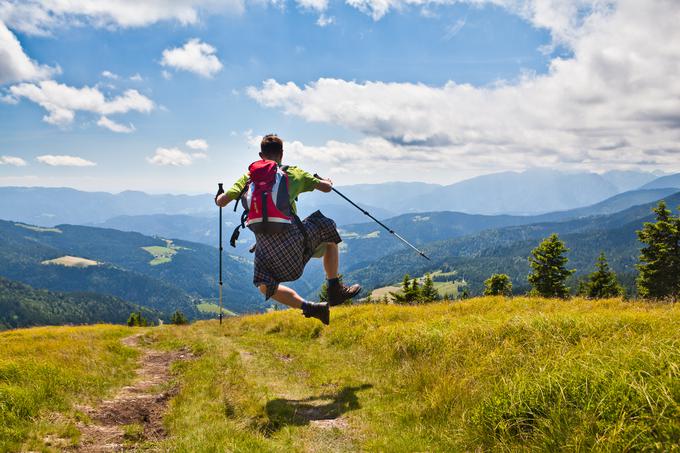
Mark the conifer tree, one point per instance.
(602, 284)
(409, 293)
(660, 256)
(428, 293)
(178, 318)
(548, 268)
(498, 285)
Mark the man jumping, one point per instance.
(281, 257)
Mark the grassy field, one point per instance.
(485, 374)
(45, 371)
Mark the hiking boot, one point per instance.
(318, 310)
(339, 293)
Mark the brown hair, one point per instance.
(271, 145)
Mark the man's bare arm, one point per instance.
(222, 200)
(325, 185)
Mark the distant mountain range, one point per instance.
(664, 181)
(531, 192)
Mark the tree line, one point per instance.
(658, 269)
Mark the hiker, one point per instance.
(284, 242)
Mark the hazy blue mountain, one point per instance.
(530, 192)
(182, 273)
(51, 206)
(382, 200)
(664, 181)
(628, 180)
(23, 306)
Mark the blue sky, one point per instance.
(427, 91)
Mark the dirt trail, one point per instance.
(135, 415)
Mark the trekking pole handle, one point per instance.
(220, 189)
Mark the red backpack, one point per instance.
(266, 201)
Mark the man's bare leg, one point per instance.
(288, 296)
(330, 260)
(337, 293)
(285, 295)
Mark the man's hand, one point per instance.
(325, 185)
(222, 200)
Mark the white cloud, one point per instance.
(197, 143)
(315, 5)
(174, 157)
(64, 161)
(166, 75)
(12, 160)
(110, 75)
(15, 65)
(620, 87)
(195, 56)
(115, 127)
(40, 16)
(324, 20)
(136, 78)
(62, 101)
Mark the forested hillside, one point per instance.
(475, 257)
(23, 306)
(152, 272)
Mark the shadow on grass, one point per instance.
(284, 412)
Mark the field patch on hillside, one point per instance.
(38, 229)
(72, 261)
(162, 254)
(208, 307)
(445, 283)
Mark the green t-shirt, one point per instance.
(299, 181)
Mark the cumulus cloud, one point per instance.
(12, 160)
(197, 143)
(174, 157)
(110, 75)
(15, 65)
(620, 86)
(324, 20)
(195, 56)
(62, 101)
(315, 5)
(40, 16)
(115, 127)
(64, 161)
(136, 78)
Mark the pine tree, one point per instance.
(548, 268)
(602, 284)
(660, 257)
(498, 285)
(178, 318)
(428, 293)
(410, 292)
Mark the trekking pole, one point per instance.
(391, 231)
(220, 191)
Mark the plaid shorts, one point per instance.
(282, 257)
